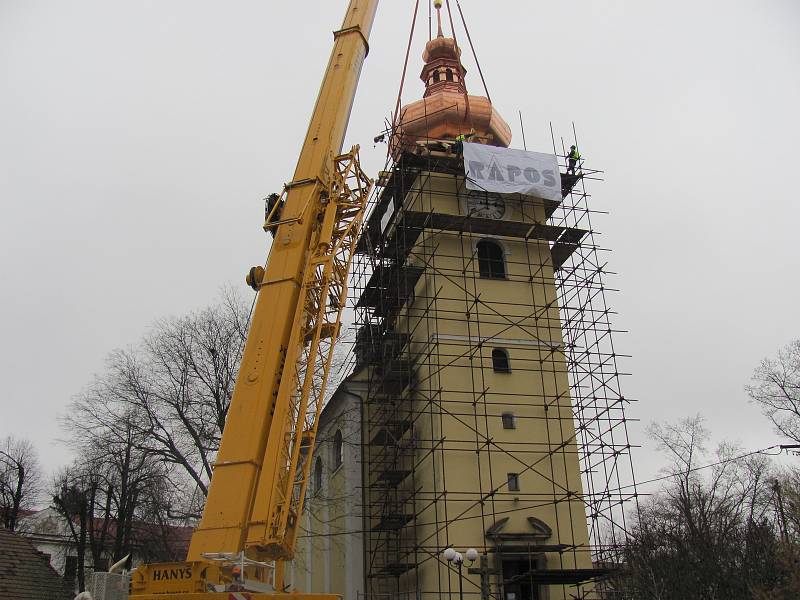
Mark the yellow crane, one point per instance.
(255, 502)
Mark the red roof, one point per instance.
(176, 538)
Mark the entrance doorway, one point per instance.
(517, 580)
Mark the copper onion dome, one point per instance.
(446, 109)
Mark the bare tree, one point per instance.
(172, 393)
(111, 501)
(786, 498)
(20, 479)
(710, 533)
(775, 387)
(155, 536)
(75, 497)
(787, 488)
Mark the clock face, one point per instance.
(486, 205)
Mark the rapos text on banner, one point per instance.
(508, 171)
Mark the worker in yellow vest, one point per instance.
(572, 159)
(458, 147)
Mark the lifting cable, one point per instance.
(462, 75)
(396, 118)
(430, 20)
(452, 26)
(472, 47)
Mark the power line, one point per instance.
(619, 489)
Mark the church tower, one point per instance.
(469, 440)
(484, 417)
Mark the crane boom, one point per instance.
(257, 491)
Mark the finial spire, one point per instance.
(438, 5)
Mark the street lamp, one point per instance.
(452, 556)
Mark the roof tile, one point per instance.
(25, 573)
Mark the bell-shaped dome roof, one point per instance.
(447, 110)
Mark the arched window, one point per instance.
(449, 75)
(491, 260)
(338, 450)
(318, 476)
(500, 362)
(436, 77)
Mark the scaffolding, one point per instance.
(437, 401)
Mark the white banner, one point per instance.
(508, 171)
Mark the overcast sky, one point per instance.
(137, 139)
